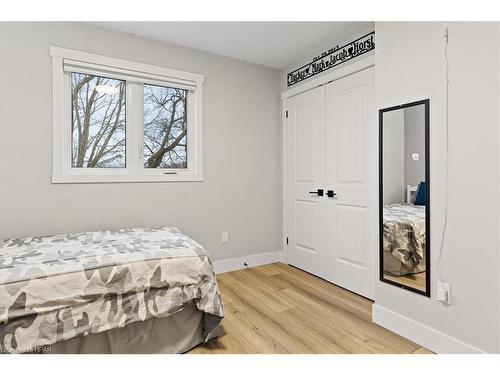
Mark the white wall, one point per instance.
(410, 65)
(241, 193)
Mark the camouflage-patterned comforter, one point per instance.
(404, 237)
(59, 287)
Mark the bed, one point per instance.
(404, 237)
(142, 290)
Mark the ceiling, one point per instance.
(274, 44)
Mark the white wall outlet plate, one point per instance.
(224, 237)
(443, 293)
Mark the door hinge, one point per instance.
(286, 114)
(287, 240)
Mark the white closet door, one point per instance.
(350, 170)
(305, 175)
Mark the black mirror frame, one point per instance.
(427, 291)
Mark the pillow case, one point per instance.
(420, 196)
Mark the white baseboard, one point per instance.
(419, 333)
(234, 264)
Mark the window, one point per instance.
(165, 127)
(119, 121)
(98, 121)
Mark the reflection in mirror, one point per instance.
(404, 196)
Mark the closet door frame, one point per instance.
(357, 66)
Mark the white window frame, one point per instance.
(65, 61)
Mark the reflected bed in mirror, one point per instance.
(404, 196)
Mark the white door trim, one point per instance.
(335, 75)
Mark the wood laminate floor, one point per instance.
(416, 280)
(277, 308)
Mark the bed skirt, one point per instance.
(176, 333)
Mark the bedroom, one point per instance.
(115, 133)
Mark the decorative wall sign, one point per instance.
(333, 57)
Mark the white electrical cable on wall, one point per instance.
(447, 156)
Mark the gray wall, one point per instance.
(241, 192)
(404, 134)
(394, 157)
(410, 65)
(414, 119)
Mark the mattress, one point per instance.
(404, 238)
(56, 288)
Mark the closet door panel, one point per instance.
(350, 134)
(305, 175)
(350, 170)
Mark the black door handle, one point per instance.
(319, 192)
(330, 193)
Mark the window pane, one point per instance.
(165, 127)
(98, 117)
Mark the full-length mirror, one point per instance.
(404, 196)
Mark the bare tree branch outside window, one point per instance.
(98, 118)
(165, 127)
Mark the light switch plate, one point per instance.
(225, 237)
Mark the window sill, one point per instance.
(89, 179)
